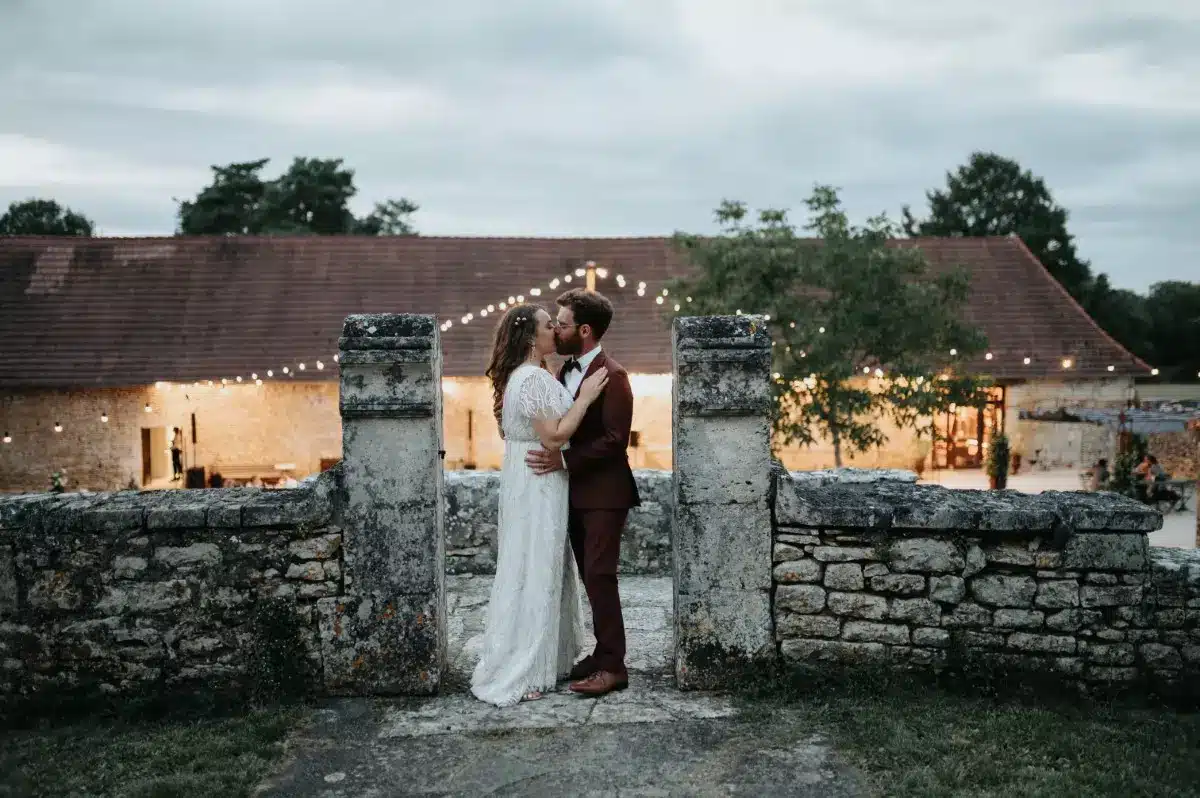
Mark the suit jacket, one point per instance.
(597, 462)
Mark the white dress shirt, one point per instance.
(575, 376)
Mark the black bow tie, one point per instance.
(571, 365)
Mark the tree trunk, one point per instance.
(837, 447)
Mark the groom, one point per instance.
(602, 486)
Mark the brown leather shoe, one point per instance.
(599, 683)
(583, 669)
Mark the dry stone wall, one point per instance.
(925, 577)
(147, 593)
(471, 505)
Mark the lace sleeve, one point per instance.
(537, 397)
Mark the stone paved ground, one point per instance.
(648, 740)
(645, 601)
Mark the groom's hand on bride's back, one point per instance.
(544, 461)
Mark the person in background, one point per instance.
(1100, 476)
(176, 454)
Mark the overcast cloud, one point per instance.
(615, 117)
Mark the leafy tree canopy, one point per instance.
(311, 197)
(862, 328)
(42, 217)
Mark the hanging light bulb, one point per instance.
(689, 299)
(104, 418)
(257, 381)
(239, 378)
(320, 366)
(7, 438)
(866, 369)
(658, 300)
(566, 278)
(821, 330)
(676, 307)
(953, 352)
(302, 367)
(1067, 363)
(878, 372)
(641, 291)
(553, 285)
(520, 298)
(792, 325)
(1028, 361)
(1112, 368)
(664, 292)
(57, 427)
(512, 300)
(988, 356)
(270, 373)
(491, 308)
(1153, 372)
(224, 381)
(602, 274)
(335, 357)
(147, 408)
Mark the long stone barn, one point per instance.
(108, 345)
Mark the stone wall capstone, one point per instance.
(925, 577)
(721, 542)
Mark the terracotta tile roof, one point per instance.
(106, 312)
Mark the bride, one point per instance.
(534, 619)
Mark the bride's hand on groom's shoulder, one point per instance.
(593, 386)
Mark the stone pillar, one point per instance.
(387, 635)
(721, 536)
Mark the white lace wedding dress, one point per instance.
(535, 618)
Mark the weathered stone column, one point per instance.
(721, 537)
(387, 635)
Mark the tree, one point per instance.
(40, 217)
(1173, 321)
(842, 309)
(993, 196)
(390, 218)
(311, 197)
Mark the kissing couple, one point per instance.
(565, 491)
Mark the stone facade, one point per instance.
(471, 502)
(139, 593)
(921, 576)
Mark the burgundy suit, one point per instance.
(602, 491)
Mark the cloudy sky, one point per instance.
(615, 117)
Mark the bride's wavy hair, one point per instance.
(514, 337)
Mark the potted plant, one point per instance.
(997, 463)
(58, 481)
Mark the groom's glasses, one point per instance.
(558, 325)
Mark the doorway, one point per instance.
(963, 433)
(156, 455)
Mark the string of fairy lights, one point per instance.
(589, 274)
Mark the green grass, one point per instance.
(182, 757)
(917, 739)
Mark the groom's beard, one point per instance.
(568, 346)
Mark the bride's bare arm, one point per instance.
(555, 432)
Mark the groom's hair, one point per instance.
(588, 307)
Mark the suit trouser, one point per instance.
(596, 541)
